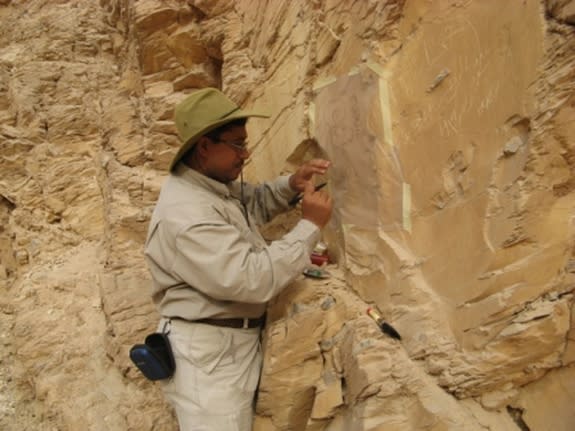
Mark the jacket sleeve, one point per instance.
(265, 201)
(216, 259)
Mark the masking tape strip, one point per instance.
(353, 71)
(376, 68)
(324, 82)
(318, 85)
(385, 111)
(383, 100)
(311, 116)
(406, 207)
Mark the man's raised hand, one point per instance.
(306, 172)
(316, 205)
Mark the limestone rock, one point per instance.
(563, 10)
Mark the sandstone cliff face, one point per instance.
(451, 127)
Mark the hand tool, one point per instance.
(298, 198)
(316, 273)
(383, 325)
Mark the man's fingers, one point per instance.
(315, 166)
(320, 163)
(308, 188)
(316, 205)
(325, 197)
(319, 166)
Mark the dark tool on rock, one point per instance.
(316, 273)
(298, 198)
(385, 327)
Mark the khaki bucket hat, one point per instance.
(203, 111)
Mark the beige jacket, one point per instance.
(204, 257)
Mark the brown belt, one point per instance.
(231, 323)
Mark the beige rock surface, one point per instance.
(451, 128)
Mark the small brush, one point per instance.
(385, 327)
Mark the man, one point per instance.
(212, 271)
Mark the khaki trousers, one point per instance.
(217, 373)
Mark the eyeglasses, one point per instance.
(239, 146)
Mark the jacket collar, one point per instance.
(192, 176)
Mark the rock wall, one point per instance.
(451, 129)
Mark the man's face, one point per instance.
(226, 156)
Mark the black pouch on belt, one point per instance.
(154, 358)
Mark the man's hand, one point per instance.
(316, 205)
(306, 172)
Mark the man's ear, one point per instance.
(202, 145)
